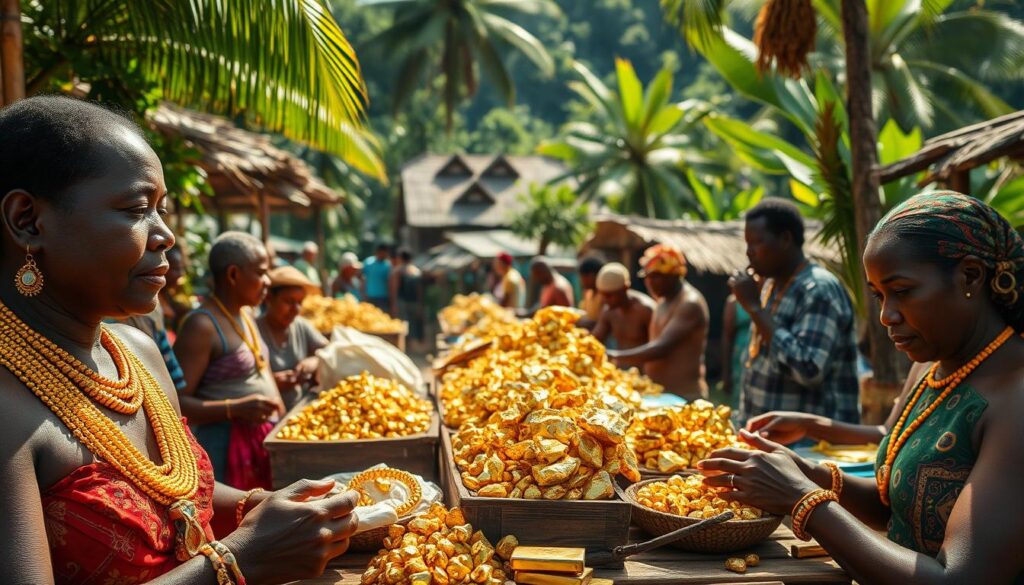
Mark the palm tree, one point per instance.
(552, 214)
(635, 156)
(453, 38)
(284, 65)
(917, 77)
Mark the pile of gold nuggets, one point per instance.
(542, 414)
(673, 438)
(545, 354)
(688, 496)
(465, 311)
(326, 313)
(440, 548)
(360, 407)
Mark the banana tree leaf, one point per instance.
(803, 193)
(708, 205)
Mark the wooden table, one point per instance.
(668, 566)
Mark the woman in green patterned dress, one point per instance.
(947, 271)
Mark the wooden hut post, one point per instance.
(264, 215)
(321, 242)
(11, 54)
(960, 181)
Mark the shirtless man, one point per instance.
(555, 289)
(674, 356)
(627, 314)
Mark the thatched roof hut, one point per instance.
(246, 171)
(712, 247)
(465, 192)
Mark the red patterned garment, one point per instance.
(103, 530)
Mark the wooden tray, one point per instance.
(294, 460)
(396, 339)
(592, 524)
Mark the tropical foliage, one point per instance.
(634, 156)
(454, 39)
(213, 55)
(552, 214)
(917, 79)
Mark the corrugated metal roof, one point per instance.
(431, 197)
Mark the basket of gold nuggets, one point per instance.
(673, 439)
(661, 506)
(439, 548)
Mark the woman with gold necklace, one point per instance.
(947, 270)
(100, 479)
(230, 394)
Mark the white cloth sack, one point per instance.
(352, 352)
(382, 513)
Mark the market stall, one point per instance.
(542, 439)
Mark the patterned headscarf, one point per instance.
(961, 226)
(664, 259)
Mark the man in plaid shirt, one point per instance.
(802, 355)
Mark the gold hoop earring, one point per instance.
(1005, 283)
(29, 279)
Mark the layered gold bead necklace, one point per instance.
(71, 390)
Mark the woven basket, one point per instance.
(373, 540)
(726, 537)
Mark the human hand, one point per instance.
(782, 426)
(255, 408)
(771, 481)
(286, 379)
(306, 369)
(747, 290)
(294, 533)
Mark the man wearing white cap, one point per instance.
(627, 314)
(348, 280)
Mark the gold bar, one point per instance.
(534, 578)
(548, 558)
(807, 551)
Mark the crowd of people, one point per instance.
(122, 461)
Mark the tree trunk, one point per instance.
(11, 55)
(864, 155)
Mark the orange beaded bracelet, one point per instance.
(837, 478)
(240, 506)
(805, 506)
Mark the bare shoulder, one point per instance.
(694, 305)
(26, 419)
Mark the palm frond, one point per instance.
(215, 54)
(699, 21)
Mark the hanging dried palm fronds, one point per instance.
(785, 32)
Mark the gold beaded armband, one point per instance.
(805, 506)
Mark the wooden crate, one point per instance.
(595, 525)
(294, 460)
(396, 339)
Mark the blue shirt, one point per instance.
(376, 273)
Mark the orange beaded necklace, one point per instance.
(950, 383)
(69, 388)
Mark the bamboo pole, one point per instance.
(11, 53)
